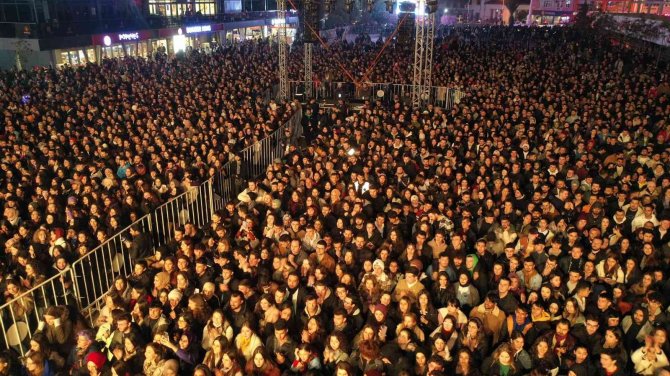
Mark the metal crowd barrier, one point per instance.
(85, 284)
(440, 96)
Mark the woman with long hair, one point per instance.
(609, 271)
(632, 272)
(612, 341)
(336, 350)
(650, 258)
(261, 364)
(395, 242)
(216, 326)
(37, 365)
(314, 334)
(121, 288)
(247, 341)
(542, 356)
(38, 344)
(230, 366)
(200, 310)
(439, 347)
(502, 362)
(369, 291)
(154, 359)
(133, 354)
(214, 356)
(267, 313)
(572, 312)
(186, 350)
(465, 364)
(474, 339)
(427, 314)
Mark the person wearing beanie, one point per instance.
(95, 363)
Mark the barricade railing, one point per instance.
(440, 96)
(85, 284)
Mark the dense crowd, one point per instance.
(88, 151)
(522, 232)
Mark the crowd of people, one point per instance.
(524, 231)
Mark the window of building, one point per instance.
(176, 9)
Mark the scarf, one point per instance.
(244, 344)
(475, 261)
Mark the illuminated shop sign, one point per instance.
(129, 36)
(198, 29)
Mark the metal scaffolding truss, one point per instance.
(309, 83)
(423, 55)
(283, 52)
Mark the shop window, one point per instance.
(175, 9)
(90, 53)
(63, 58)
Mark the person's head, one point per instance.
(259, 357)
(336, 341)
(517, 341)
(562, 327)
(344, 369)
(541, 347)
(84, 340)
(219, 345)
(185, 341)
(368, 349)
(504, 355)
(491, 300)
(247, 330)
(609, 360)
(660, 336)
(464, 358)
(612, 337)
(123, 322)
(474, 326)
(304, 352)
(120, 368)
(228, 360)
(131, 343)
(504, 284)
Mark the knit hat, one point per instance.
(378, 264)
(96, 358)
(174, 295)
(382, 308)
(59, 232)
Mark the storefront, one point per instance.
(202, 37)
(549, 18)
(128, 44)
(175, 8)
(272, 29)
(75, 57)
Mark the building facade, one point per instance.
(77, 32)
